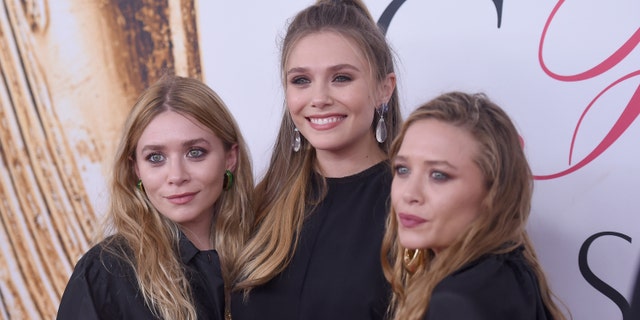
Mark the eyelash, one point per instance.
(342, 78)
(200, 153)
(397, 168)
(439, 176)
(152, 155)
(301, 80)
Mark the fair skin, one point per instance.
(332, 96)
(181, 164)
(437, 188)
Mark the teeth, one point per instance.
(325, 120)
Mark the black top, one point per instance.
(335, 272)
(495, 287)
(103, 286)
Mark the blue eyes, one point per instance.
(436, 175)
(439, 176)
(157, 158)
(301, 80)
(342, 78)
(400, 170)
(195, 153)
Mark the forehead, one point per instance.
(328, 47)
(171, 126)
(437, 140)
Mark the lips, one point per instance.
(325, 122)
(181, 198)
(409, 220)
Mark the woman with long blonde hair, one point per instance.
(456, 245)
(322, 203)
(180, 211)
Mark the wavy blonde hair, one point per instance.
(282, 196)
(501, 226)
(151, 240)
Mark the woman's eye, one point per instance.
(342, 78)
(299, 80)
(155, 158)
(401, 170)
(195, 153)
(439, 176)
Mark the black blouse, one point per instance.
(335, 272)
(494, 287)
(103, 286)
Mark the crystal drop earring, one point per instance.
(297, 140)
(381, 128)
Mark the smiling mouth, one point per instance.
(327, 120)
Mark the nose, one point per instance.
(321, 96)
(413, 190)
(177, 172)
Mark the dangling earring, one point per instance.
(412, 259)
(227, 182)
(140, 186)
(381, 128)
(297, 140)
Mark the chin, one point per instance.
(412, 241)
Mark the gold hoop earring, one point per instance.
(412, 259)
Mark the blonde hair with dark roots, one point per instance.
(151, 240)
(500, 228)
(282, 196)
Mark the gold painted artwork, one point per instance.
(70, 70)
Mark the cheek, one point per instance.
(294, 101)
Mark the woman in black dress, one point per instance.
(322, 203)
(179, 212)
(456, 245)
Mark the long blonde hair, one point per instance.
(282, 196)
(501, 226)
(151, 240)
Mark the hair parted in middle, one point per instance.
(152, 240)
(283, 195)
(501, 224)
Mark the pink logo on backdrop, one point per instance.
(626, 118)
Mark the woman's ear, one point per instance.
(232, 158)
(386, 88)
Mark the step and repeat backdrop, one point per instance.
(568, 72)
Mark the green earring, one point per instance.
(140, 186)
(227, 183)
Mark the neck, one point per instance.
(343, 163)
(199, 234)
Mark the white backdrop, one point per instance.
(546, 81)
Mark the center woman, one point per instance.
(322, 203)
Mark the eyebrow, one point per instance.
(187, 143)
(337, 67)
(429, 162)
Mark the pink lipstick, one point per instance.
(409, 220)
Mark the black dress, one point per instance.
(495, 287)
(103, 286)
(335, 272)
